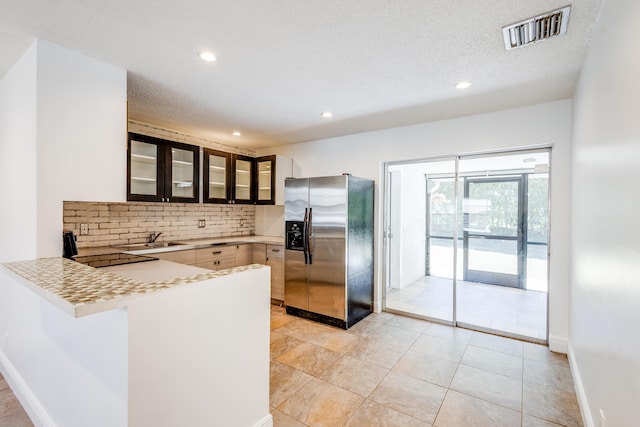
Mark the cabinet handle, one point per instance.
(275, 250)
(217, 252)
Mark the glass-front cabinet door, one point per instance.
(216, 174)
(265, 175)
(162, 171)
(143, 161)
(243, 186)
(182, 173)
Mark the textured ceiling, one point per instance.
(373, 63)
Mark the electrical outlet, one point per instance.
(602, 423)
(201, 223)
(84, 229)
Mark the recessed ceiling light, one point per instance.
(236, 133)
(207, 56)
(463, 85)
(327, 114)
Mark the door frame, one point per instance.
(385, 208)
(385, 223)
(393, 231)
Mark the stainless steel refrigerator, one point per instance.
(329, 248)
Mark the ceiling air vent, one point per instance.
(536, 29)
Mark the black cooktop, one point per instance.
(108, 260)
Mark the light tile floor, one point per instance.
(11, 413)
(522, 313)
(391, 370)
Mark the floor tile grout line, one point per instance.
(467, 344)
(479, 398)
(389, 370)
(451, 381)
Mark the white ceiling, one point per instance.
(374, 63)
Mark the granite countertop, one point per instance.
(80, 290)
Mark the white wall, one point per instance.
(63, 137)
(544, 124)
(270, 220)
(412, 232)
(63, 128)
(82, 136)
(18, 159)
(64, 370)
(605, 243)
(179, 378)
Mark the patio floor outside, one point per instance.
(516, 312)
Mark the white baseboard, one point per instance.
(265, 422)
(580, 393)
(558, 344)
(377, 306)
(32, 406)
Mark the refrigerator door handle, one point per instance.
(309, 237)
(304, 236)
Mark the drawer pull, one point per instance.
(275, 250)
(217, 252)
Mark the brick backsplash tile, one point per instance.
(158, 132)
(132, 222)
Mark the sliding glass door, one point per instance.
(419, 238)
(466, 241)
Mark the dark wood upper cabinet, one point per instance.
(162, 171)
(228, 178)
(159, 170)
(234, 178)
(243, 190)
(265, 180)
(217, 176)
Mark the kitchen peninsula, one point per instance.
(151, 343)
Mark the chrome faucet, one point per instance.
(153, 237)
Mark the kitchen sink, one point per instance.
(148, 245)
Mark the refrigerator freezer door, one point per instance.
(327, 273)
(296, 198)
(296, 291)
